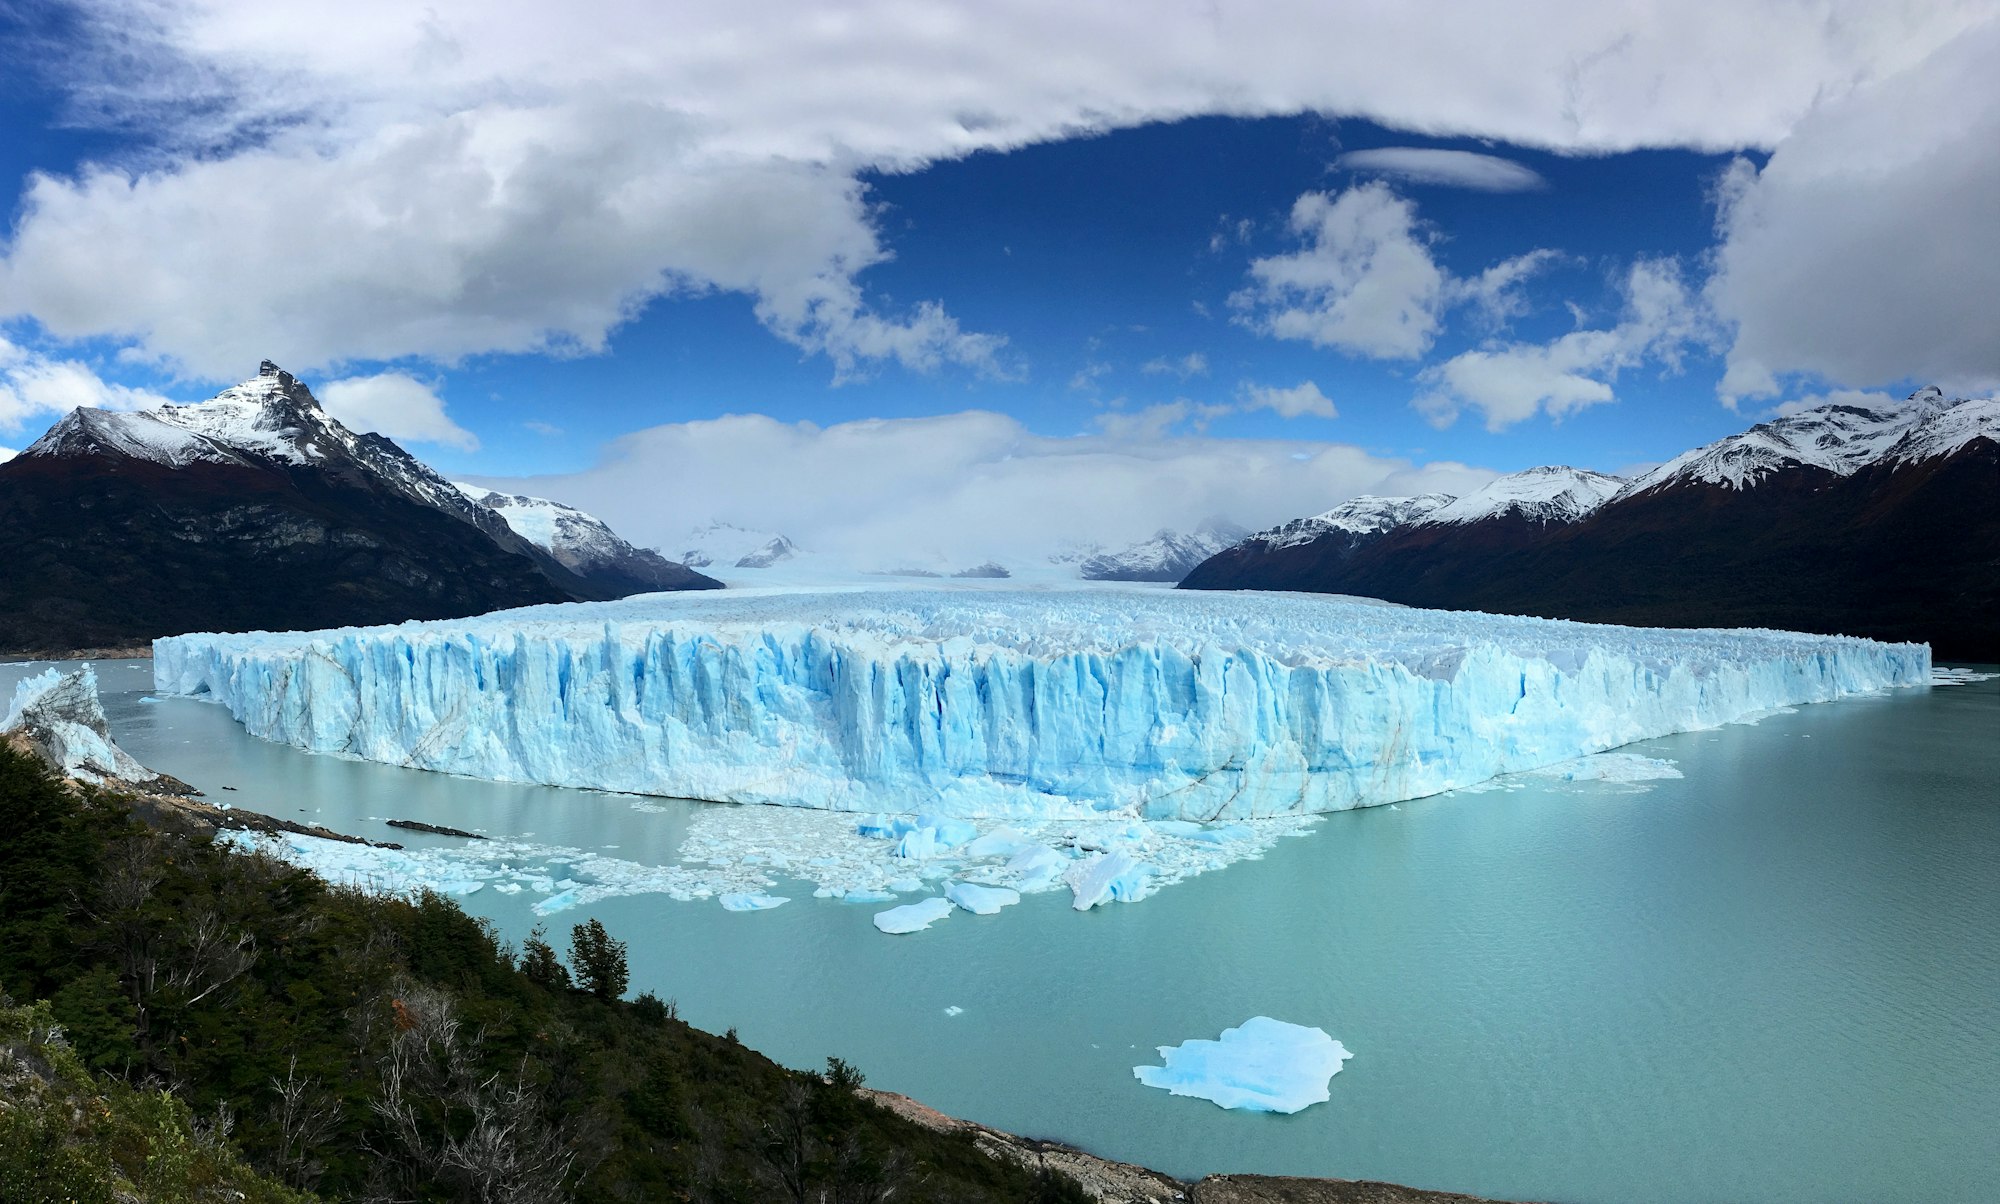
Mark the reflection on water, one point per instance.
(1774, 978)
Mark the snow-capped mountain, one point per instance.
(1551, 494)
(255, 509)
(726, 546)
(1879, 521)
(581, 543)
(1839, 439)
(1167, 556)
(268, 421)
(1359, 517)
(1944, 433)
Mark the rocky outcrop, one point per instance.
(1110, 1182)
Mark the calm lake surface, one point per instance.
(1777, 978)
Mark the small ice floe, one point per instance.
(913, 917)
(954, 1010)
(1610, 767)
(981, 900)
(1264, 1065)
(1944, 676)
(1106, 877)
(751, 901)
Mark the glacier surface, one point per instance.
(1007, 703)
(1263, 1065)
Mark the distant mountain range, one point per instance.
(725, 546)
(1874, 521)
(257, 510)
(1167, 556)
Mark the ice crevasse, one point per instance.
(1161, 704)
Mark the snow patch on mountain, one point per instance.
(1360, 517)
(1944, 433)
(1550, 494)
(1840, 438)
(1167, 556)
(142, 434)
(580, 542)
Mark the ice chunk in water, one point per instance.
(981, 900)
(1264, 1065)
(1105, 877)
(913, 917)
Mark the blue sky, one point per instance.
(1244, 259)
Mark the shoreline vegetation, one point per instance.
(180, 1021)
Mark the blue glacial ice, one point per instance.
(1145, 704)
(1264, 1065)
(981, 900)
(913, 917)
(750, 901)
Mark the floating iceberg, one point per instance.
(1105, 877)
(1010, 703)
(749, 901)
(1265, 1065)
(913, 917)
(981, 900)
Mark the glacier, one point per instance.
(1045, 704)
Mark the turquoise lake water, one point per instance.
(1776, 978)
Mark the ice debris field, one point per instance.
(1035, 705)
(738, 855)
(1263, 1065)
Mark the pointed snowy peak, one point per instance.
(582, 543)
(1549, 494)
(1948, 430)
(1839, 438)
(271, 415)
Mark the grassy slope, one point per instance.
(379, 1048)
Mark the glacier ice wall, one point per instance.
(1159, 703)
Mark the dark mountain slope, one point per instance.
(252, 511)
(1873, 523)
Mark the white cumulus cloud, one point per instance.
(1301, 400)
(373, 179)
(969, 486)
(1362, 281)
(395, 404)
(1510, 382)
(37, 388)
(1864, 253)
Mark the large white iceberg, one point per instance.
(1161, 704)
(1264, 1065)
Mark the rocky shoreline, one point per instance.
(1110, 1182)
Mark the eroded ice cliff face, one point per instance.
(1007, 703)
(58, 718)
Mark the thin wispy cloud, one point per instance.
(1451, 168)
